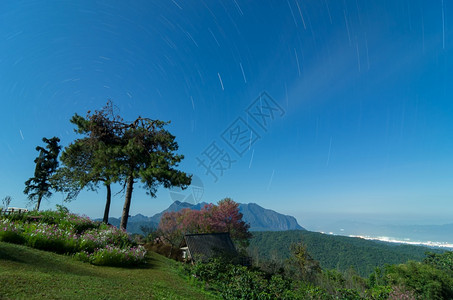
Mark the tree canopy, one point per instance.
(117, 151)
(92, 159)
(148, 153)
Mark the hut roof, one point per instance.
(207, 245)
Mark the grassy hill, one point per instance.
(335, 252)
(34, 274)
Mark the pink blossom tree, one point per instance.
(170, 229)
(224, 217)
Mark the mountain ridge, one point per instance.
(259, 218)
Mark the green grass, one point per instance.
(34, 274)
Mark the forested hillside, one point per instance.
(334, 252)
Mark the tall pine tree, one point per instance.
(39, 186)
(90, 160)
(117, 151)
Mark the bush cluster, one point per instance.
(114, 256)
(239, 282)
(414, 280)
(66, 233)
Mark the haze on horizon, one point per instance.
(358, 123)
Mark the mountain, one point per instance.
(177, 206)
(259, 218)
(262, 219)
(134, 223)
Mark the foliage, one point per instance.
(6, 201)
(90, 160)
(400, 293)
(306, 267)
(63, 181)
(114, 150)
(103, 237)
(11, 232)
(413, 280)
(149, 154)
(170, 228)
(382, 292)
(333, 252)
(443, 262)
(426, 281)
(50, 238)
(39, 186)
(224, 217)
(66, 233)
(150, 233)
(114, 256)
(239, 282)
(64, 219)
(62, 209)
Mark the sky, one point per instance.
(323, 110)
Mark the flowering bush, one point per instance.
(106, 235)
(114, 256)
(67, 233)
(50, 238)
(11, 232)
(77, 223)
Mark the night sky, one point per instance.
(319, 109)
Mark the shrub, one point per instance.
(443, 262)
(50, 238)
(104, 236)
(77, 223)
(11, 237)
(244, 284)
(380, 292)
(349, 294)
(424, 280)
(400, 293)
(66, 233)
(114, 256)
(309, 291)
(239, 282)
(16, 217)
(11, 232)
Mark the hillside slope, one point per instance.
(27, 273)
(334, 252)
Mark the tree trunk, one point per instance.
(39, 202)
(171, 251)
(127, 202)
(107, 204)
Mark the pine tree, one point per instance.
(118, 151)
(39, 186)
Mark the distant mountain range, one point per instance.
(259, 218)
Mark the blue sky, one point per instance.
(364, 125)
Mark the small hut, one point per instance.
(203, 246)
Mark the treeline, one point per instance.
(333, 252)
